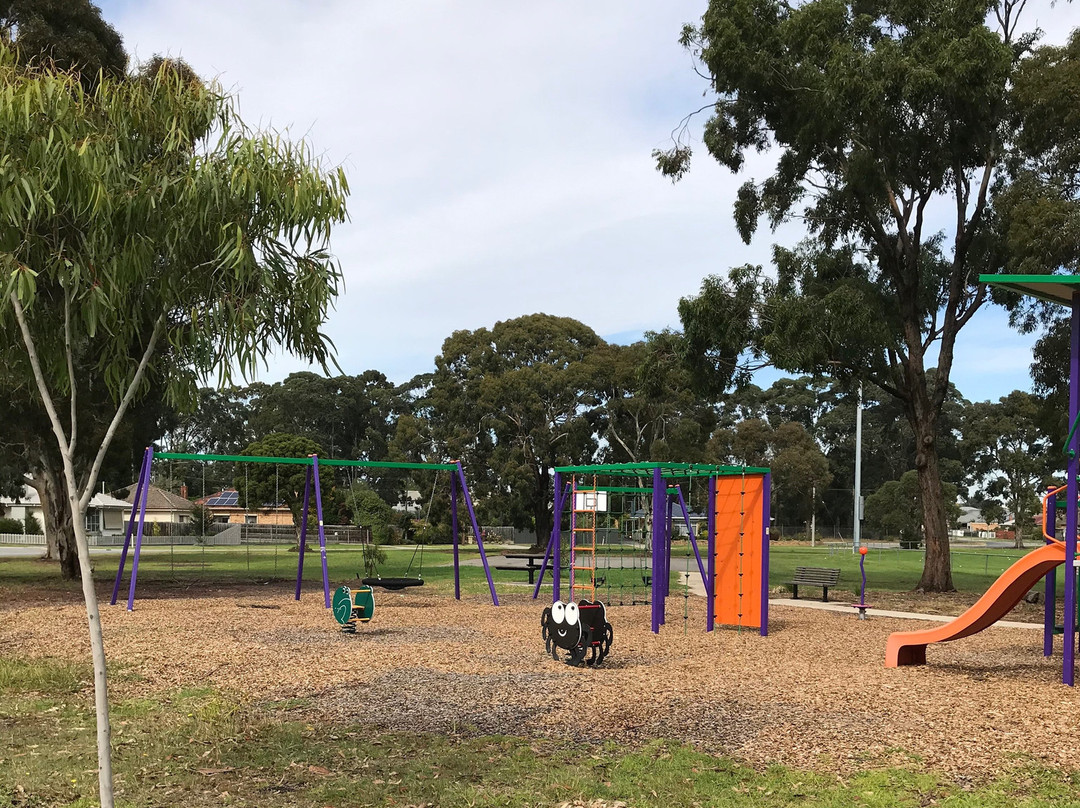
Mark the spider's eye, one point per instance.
(571, 614)
(557, 611)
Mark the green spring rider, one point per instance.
(351, 605)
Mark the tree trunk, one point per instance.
(97, 647)
(937, 567)
(57, 523)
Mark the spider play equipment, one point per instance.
(909, 647)
(458, 487)
(734, 571)
(580, 629)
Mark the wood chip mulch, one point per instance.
(814, 694)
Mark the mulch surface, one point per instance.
(814, 694)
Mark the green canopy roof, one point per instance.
(1051, 288)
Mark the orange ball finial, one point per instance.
(863, 551)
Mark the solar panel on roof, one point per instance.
(225, 499)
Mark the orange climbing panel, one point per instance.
(739, 514)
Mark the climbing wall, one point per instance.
(739, 561)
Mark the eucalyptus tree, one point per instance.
(148, 236)
(1008, 455)
(879, 115)
(512, 401)
(69, 34)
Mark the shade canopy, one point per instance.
(1051, 288)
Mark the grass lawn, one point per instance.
(201, 747)
(887, 570)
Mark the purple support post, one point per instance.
(710, 607)
(303, 533)
(322, 532)
(1068, 671)
(556, 541)
(1050, 601)
(454, 530)
(144, 473)
(667, 544)
(139, 531)
(560, 500)
(476, 532)
(766, 496)
(658, 498)
(693, 540)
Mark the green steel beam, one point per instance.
(615, 489)
(668, 470)
(305, 461)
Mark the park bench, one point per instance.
(814, 576)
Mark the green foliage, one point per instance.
(9, 525)
(148, 209)
(71, 34)
(32, 525)
(371, 511)
(896, 509)
(1008, 456)
(878, 115)
(509, 401)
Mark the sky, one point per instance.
(498, 156)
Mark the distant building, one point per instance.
(105, 515)
(162, 506)
(226, 508)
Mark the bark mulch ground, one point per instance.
(814, 694)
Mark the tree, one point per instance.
(1041, 212)
(799, 468)
(263, 484)
(70, 34)
(895, 509)
(1008, 456)
(511, 401)
(147, 235)
(878, 114)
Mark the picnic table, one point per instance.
(533, 562)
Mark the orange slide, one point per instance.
(909, 647)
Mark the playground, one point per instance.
(812, 696)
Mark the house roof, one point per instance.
(30, 497)
(158, 499)
(229, 500)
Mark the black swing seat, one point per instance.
(393, 583)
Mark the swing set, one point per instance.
(734, 571)
(458, 486)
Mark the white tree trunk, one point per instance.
(97, 648)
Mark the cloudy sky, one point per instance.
(499, 160)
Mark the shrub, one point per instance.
(32, 525)
(9, 525)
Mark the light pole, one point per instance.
(855, 533)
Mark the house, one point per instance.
(226, 508)
(161, 505)
(105, 515)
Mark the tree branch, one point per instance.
(39, 375)
(70, 369)
(129, 394)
